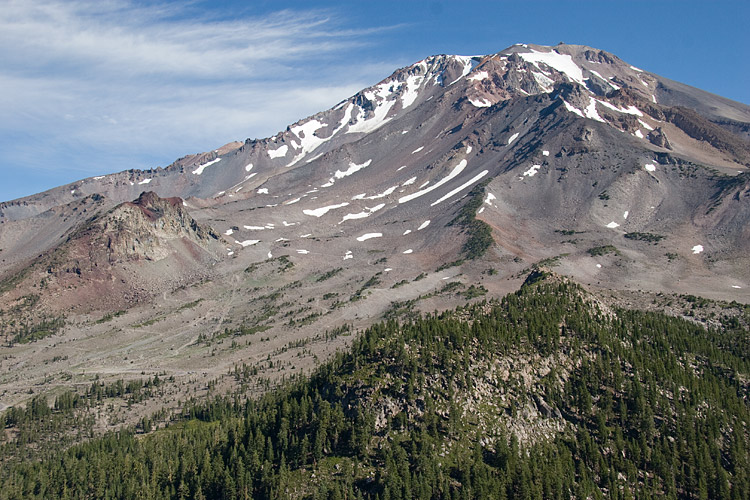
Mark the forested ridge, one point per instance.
(544, 394)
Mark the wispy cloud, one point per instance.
(108, 85)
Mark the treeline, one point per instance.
(651, 407)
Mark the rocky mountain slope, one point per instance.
(447, 181)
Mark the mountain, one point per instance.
(445, 184)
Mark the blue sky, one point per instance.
(94, 87)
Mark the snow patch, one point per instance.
(423, 225)
(484, 103)
(368, 236)
(319, 212)
(248, 167)
(353, 168)
(201, 168)
(468, 63)
(385, 193)
(650, 167)
(572, 109)
(490, 197)
(645, 125)
(532, 171)
(461, 187)
(697, 249)
(591, 112)
(406, 232)
(254, 228)
(418, 150)
(545, 82)
(545, 153)
(408, 251)
(360, 215)
(278, 153)
(625, 215)
(412, 90)
(615, 87)
(145, 181)
(513, 137)
(456, 170)
(613, 225)
(348, 255)
(560, 62)
(309, 142)
(262, 191)
(303, 252)
(630, 110)
(638, 134)
(229, 232)
(378, 118)
(410, 181)
(478, 76)
(247, 243)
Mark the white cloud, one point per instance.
(130, 83)
(119, 37)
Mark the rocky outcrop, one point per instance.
(657, 137)
(121, 257)
(140, 229)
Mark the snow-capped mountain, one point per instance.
(589, 83)
(455, 169)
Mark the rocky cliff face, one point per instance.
(144, 229)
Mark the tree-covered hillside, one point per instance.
(545, 394)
